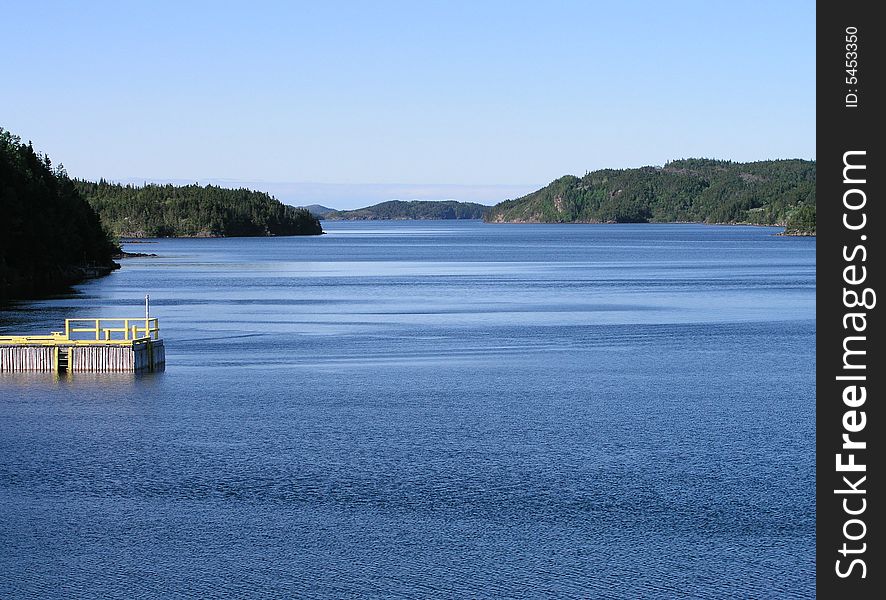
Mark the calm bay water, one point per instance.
(429, 410)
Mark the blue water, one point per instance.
(416, 410)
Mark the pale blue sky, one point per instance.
(475, 94)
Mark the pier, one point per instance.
(88, 345)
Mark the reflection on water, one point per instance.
(30, 385)
(426, 409)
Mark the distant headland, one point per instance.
(396, 210)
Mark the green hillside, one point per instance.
(774, 192)
(194, 211)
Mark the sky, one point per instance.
(351, 103)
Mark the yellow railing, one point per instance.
(90, 331)
(32, 339)
(107, 330)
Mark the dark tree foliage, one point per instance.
(774, 192)
(801, 220)
(194, 211)
(49, 236)
(412, 209)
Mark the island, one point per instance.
(699, 190)
(397, 210)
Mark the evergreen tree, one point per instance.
(49, 236)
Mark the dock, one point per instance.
(88, 345)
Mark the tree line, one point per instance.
(193, 211)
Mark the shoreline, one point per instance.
(784, 233)
(33, 286)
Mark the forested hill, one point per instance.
(49, 236)
(194, 211)
(412, 209)
(774, 192)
